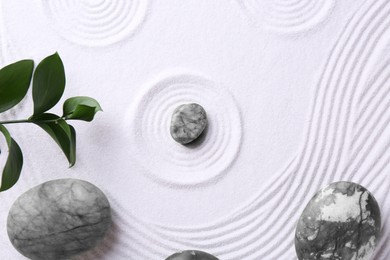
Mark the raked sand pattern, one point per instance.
(198, 163)
(349, 90)
(287, 16)
(352, 97)
(96, 23)
(347, 139)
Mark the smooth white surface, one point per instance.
(301, 100)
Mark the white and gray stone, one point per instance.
(342, 221)
(191, 255)
(58, 219)
(188, 122)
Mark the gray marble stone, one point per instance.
(342, 221)
(191, 255)
(58, 219)
(188, 122)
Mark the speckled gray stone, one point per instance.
(191, 255)
(188, 122)
(342, 221)
(58, 219)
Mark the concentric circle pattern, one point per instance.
(347, 138)
(96, 23)
(197, 163)
(287, 16)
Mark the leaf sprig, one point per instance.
(47, 89)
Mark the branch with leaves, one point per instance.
(47, 89)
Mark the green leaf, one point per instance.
(72, 146)
(14, 164)
(14, 83)
(48, 83)
(62, 133)
(81, 108)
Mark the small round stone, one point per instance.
(342, 221)
(58, 219)
(191, 255)
(188, 122)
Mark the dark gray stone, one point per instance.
(191, 255)
(188, 122)
(342, 221)
(58, 219)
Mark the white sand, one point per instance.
(297, 95)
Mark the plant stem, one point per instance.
(30, 121)
(15, 121)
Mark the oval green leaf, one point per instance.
(61, 132)
(81, 108)
(14, 82)
(48, 83)
(14, 164)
